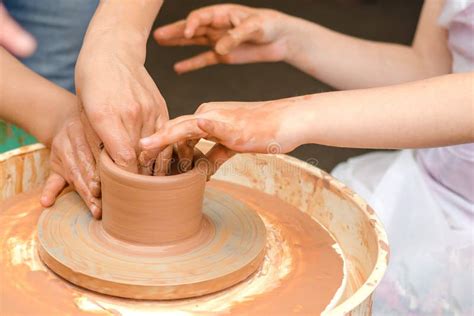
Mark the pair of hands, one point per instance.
(118, 103)
(71, 158)
(121, 104)
(237, 35)
(72, 161)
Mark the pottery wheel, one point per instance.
(229, 247)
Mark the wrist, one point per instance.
(49, 126)
(283, 31)
(64, 114)
(292, 123)
(122, 27)
(128, 44)
(301, 121)
(133, 16)
(105, 51)
(295, 34)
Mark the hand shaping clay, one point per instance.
(157, 239)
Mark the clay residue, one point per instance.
(317, 271)
(228, 249)
(300, 274)
(27, 287)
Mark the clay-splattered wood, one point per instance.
(229, 247)
(307, 189)
(301, 270)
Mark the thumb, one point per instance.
(13, 37)
(54, 185)
(247, 30)
(117, 143)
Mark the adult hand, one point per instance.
(238, 34)
(120, 99)
(13, 37)
(72, 162)
(234, 126)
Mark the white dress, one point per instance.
(429, 225)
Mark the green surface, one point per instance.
(12, 137)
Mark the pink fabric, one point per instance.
(451, 169)
(461, 39)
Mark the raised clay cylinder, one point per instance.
(159, 238)
(151, 210)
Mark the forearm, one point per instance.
(347, 62)
(30, 101)
(126, 23)
(428, 113)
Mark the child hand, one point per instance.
(256, 127)
(238, 34)
(72, 162)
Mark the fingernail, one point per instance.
(188, 33)
(26, 43)
(44, 201)
(127, 160)
(95, 209)
(202, 122)
(96, 177)
(161, 33)
(144, 142)
(177, 68)
(94, 187)
(157, 32)
(221, 49)
(143, 158)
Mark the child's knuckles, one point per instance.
(204, 107)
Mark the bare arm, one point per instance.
(126, 22)
(347, 62)
(30, 101)
(50, 114)
(242, 34)
(120, 99)
(426, 113)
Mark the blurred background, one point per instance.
(381, 20)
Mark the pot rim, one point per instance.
(126, 177)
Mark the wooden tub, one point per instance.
(345, 215)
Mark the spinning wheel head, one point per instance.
(227, 249)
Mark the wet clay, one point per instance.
(228, 247)
(300, 274)
(155, 241)
(151, 210)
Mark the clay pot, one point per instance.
(151, 210)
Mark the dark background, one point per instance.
(381, 20)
